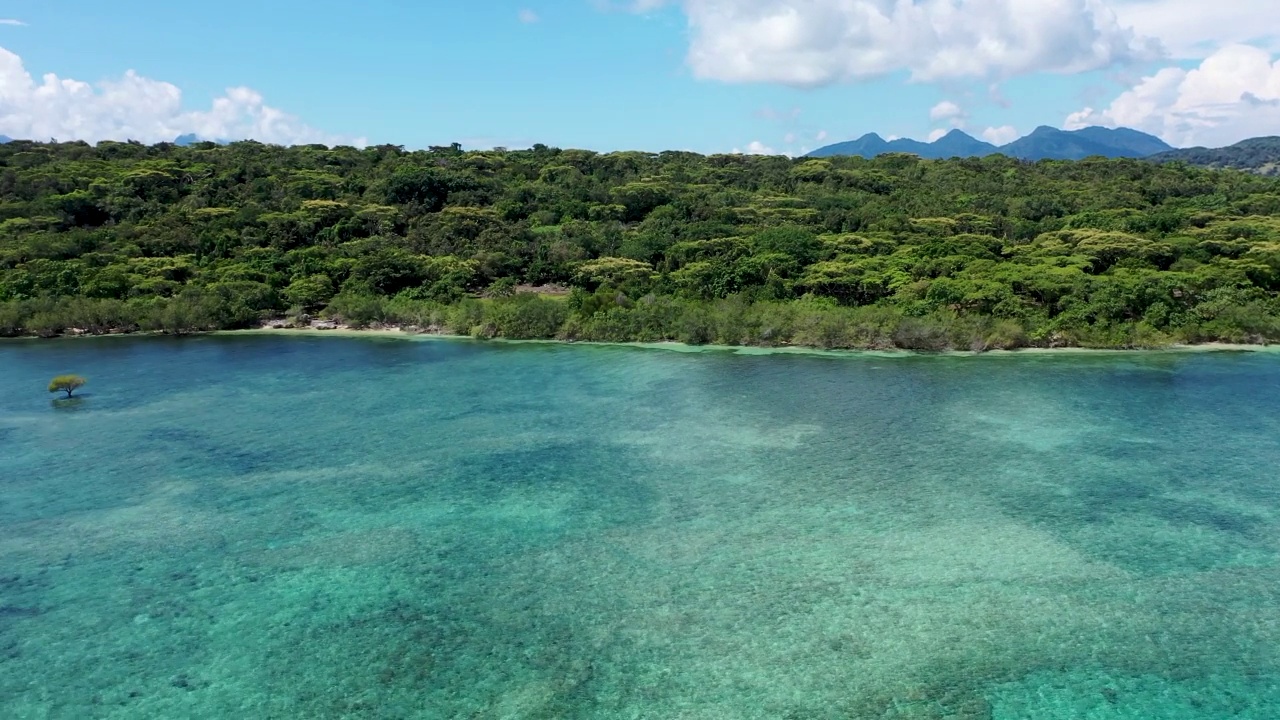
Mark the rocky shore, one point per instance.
(319, 324)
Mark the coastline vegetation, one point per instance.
(738, 250)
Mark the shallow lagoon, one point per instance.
(257, 526)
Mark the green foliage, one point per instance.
(310, 291)
(524, 317)
(796, 242)
(615, 272)
(358, 310)
(838, 252)
(67, 384)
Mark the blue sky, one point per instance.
(703, 75)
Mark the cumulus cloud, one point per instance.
(1002, 135)
(945, 110)
(1197, 28)
(755, 147)
(528, 17)
(1233, 94)
(818, 42)
(133, 107)
(950, 113)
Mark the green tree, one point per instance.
(67, 384)
(310, 291)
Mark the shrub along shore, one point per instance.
(615, 318)
(893, 252)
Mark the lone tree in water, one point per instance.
(66, 383)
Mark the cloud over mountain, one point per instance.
(1233, 94)
(818, 42)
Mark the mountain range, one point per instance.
(193, 139)
(180, 141)
(1045, 143)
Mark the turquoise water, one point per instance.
(302, 527)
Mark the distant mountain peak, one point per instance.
(1043, 143)
(959, 135)
(194, 139)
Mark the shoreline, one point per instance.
(416, 334)
(400, 333)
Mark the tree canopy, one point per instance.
(67, 384)
(724, 248)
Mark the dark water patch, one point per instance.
(18, 611)
(562, 473)
(207, 453)
(1209, 516)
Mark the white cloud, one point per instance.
(1197, 28)
(945, 110)
(528, 16)
(822, 135)
(10, 21)
(755, 147)
(1234, 94)
(950, 113)
(137, 108)
(817, 42)
(937, 134)
(789, 138)
(1002, 135)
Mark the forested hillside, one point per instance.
(840, 252)
(1258, 155)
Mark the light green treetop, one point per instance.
(67, 384)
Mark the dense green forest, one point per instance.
(840, 252)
